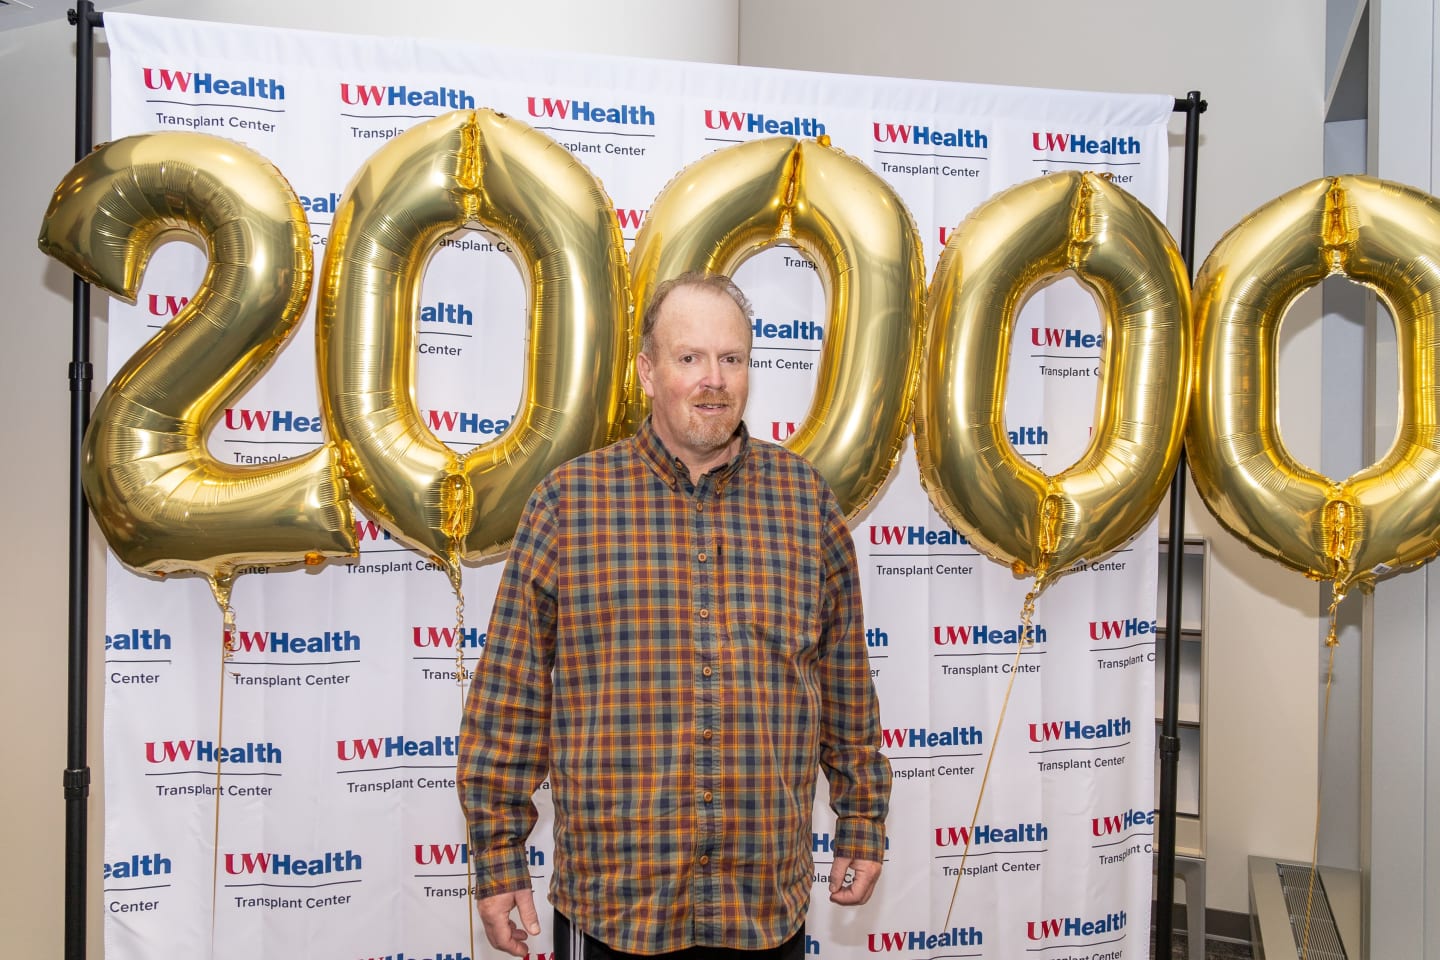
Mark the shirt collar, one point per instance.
(672, 470)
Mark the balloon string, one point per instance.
(1331, 641)
(226, 655)
(1027, 613)
(453, 570)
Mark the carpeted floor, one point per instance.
(1214, 950)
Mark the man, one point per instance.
(678, 642)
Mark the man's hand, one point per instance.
(500, 929)
(862, 881)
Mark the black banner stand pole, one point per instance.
(77, 771)
(1169, 739)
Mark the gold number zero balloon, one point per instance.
(740, 200)
(461, 168)
(1386, 237)
(163, 502)
(1076, 223)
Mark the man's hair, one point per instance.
(717, 282)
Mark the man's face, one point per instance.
(697, 375)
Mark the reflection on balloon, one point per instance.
(1386, 516)
(1074, 223)
(457, 169)
(739, 200)
(163, 502)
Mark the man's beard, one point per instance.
(712, 433)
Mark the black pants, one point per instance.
(572, 944)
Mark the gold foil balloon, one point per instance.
(739, 200)
(1075, 223)
(1386, 237)
(163, 502)
(463, 168)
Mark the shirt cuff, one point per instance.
(860, 839)
(502, 870)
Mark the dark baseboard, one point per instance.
(1220, 924)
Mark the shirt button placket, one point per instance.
(707, 698)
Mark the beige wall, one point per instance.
(1260, 67)
(1261, 137)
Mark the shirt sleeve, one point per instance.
(504, 753)
(858, 773)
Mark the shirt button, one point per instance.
(706, 671)
(702, 557)
(704, 614)
(704, 859)
(708, 797)
(699, 506)
(707, 735)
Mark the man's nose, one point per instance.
(714, 372)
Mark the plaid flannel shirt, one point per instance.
(680, 659)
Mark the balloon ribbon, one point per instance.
(1337, 593)
(1027, 640)
(220, 587)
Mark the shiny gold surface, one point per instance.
(163, 502)
(1075, 223)
(739, 200)
(461, 168)
(1386, 516)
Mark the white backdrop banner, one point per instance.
(338, 834)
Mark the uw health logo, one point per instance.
(320, 203)
(242, 420)
(802, 331)
(400, 746)
(584, 111)
(139, 866)
(987, 835)
(923, 753)
(1122, 823)
(369, 764)
(985, 635)
(446, 638)
(1123, 644)
(1098, 743)
(923, 738)
(383, 95)
(171, 761)
(148, 872)
(165, 304)
(139, 640)
(207, 84)
(1050, 142)
(915, 536)
(740, 121)
(1120, 836)
(1065, 338)
(1058, 731)
(464, 422)
(440, 643)
(925, 136)
(256, 753)
(281, 872)
(900, 941)
(1072, 932)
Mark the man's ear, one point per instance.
(646, 373)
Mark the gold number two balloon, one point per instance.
(163, 502)
(1386, 516)
(1075, 223)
